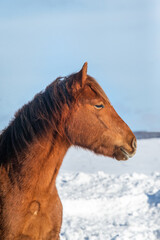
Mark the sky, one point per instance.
(120, 39)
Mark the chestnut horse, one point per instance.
(71, 111)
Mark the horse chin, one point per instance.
(118, 153)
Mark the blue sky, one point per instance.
(120, 39)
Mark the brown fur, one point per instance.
(33, 146)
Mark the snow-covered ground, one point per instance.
(110, 200)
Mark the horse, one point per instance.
(73, 110)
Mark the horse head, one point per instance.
(93, 123)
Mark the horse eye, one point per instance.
(99, 106)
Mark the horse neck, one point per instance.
(43, 162)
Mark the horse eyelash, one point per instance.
(99, 106)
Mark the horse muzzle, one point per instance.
(121, 153)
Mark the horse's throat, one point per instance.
(48, 163)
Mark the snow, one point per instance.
(102, 202)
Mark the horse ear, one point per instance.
(82, 75)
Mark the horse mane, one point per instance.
(40, 115)
(34, 119)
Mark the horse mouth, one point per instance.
(122, 154)
(126, 154)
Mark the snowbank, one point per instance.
(101, 205)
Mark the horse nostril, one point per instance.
(134, 143)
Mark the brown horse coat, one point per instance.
(71, 111)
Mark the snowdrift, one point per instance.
(110, 200)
